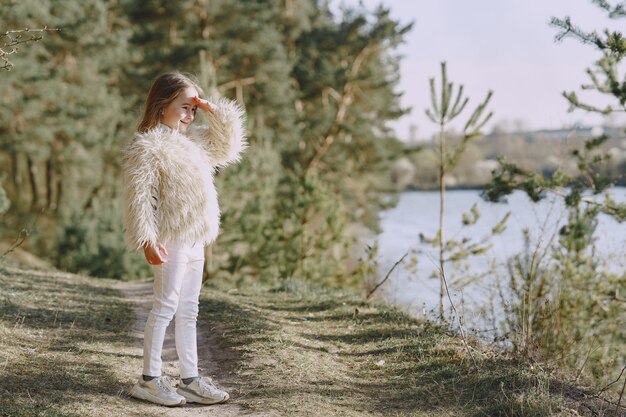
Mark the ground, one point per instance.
(71, 346)
(210, 358)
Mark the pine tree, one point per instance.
(577, 309)
(346, 79)
(317, 93)
(445, 108)
(11, 42)
(604, 77)
(318, 147)
(62, 128)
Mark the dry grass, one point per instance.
(69, 346)
(319, 352)
(60, 336)
(66, 349)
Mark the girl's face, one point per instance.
(180, 113)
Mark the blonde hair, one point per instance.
(164, 89)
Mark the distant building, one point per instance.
(576, 131)
(563, 134)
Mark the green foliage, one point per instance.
(614, 11)
(566, 302)
(442, 112)
(318, 90)
(248, 197)
(94, 245)
(61, 130)
(510, 177)
(313, 188)
(564, 305)
(307, 241)
(605, 77)
(471, 217)
(4, 200)
(591, 178)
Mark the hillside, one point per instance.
(70, 346)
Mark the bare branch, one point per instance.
(386, 276)
(12, 38)
(346, 100)
(21, 237)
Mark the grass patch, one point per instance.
(292, 350)
(319, 352)
(60, 335)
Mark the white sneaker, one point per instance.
(158, 390)
(203, 391)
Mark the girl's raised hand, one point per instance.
(205, 105)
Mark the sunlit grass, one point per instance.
(58, 333)
(292, 350)
(319, 352)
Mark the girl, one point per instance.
(171, 212)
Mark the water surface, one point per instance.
(417, 289)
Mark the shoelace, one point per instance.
(206, 384)
(165, 382)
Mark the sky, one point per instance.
(506, 46)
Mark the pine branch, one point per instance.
(433, 101)
(569, 30)
(458, 107)
(575, 103)
(445, 91)
(615, 12)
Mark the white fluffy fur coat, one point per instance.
(168, 189)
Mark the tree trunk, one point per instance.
(303, 246)
(92, 196)
(442, 201)
(291, 41)
(32, 176)
(16, 177)
(205, 28)
(58, 175)
(59, 190)
(51, 183)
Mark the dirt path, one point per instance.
(209, 357)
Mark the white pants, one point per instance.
(177, 286)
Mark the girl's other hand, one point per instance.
(205, 105)
(155, 255)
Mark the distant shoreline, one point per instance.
(412, 188)
(452, 188)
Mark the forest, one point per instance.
(318, 91)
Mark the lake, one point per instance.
(417, 289)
